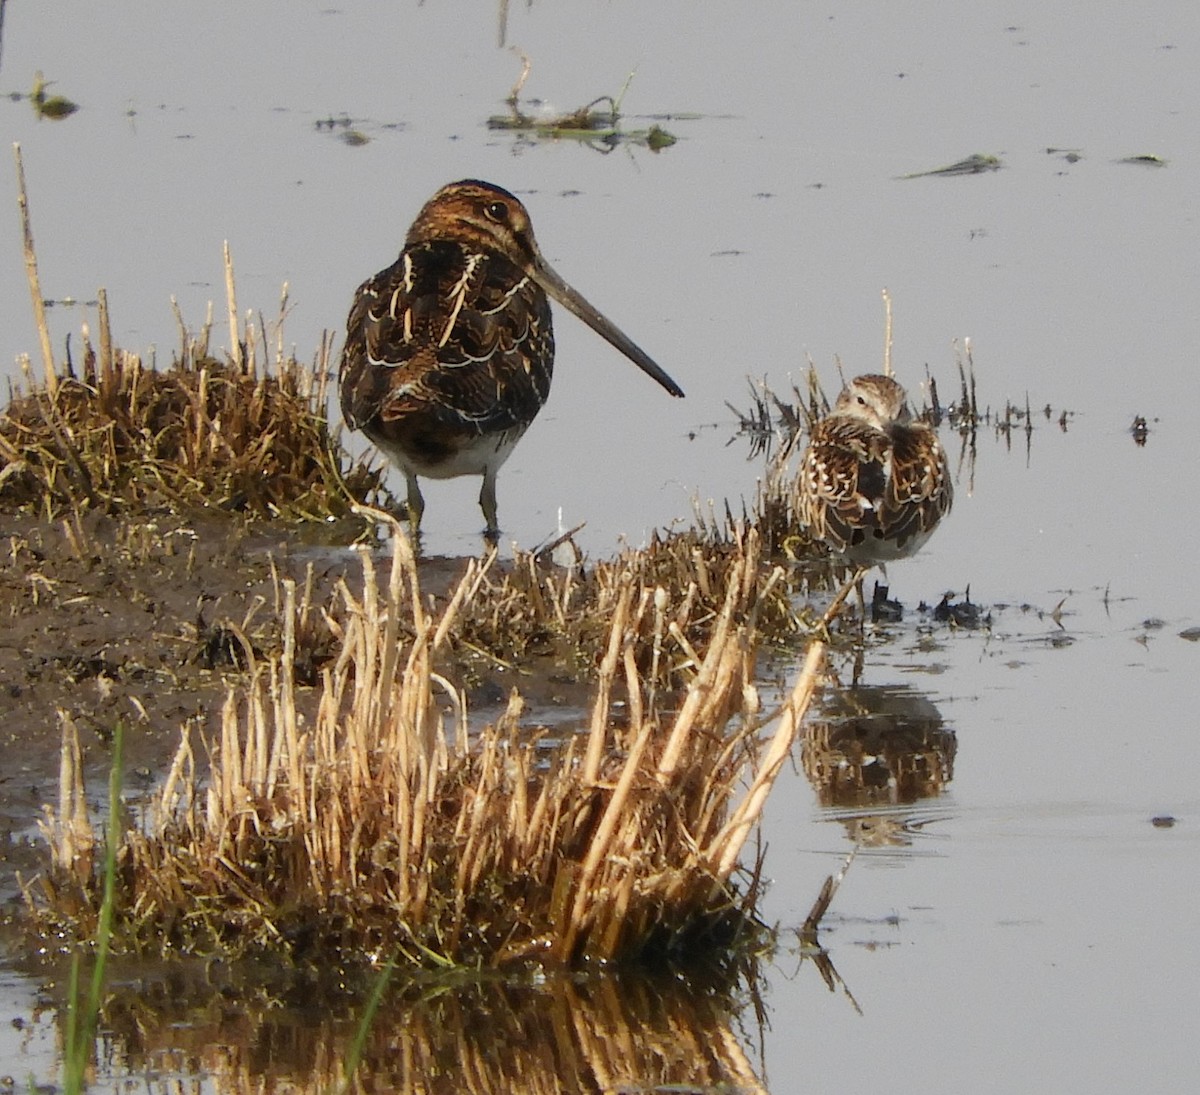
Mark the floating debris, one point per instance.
(597, 123)
(53, 107)
(658, 138)
(69, 302)
(354, 132)
(883, 608)
(964, 613)
(1144, 161)
(972, 165)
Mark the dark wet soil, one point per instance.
(151, 621)
(147, 621)
(108, 621)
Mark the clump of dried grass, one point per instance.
(203, 435)
(530, 609)
(386, 823)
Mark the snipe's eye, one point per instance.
(496, 211)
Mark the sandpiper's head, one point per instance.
(481, 217)
(488, 219)
(876, 400)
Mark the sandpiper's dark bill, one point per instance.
(571, 299)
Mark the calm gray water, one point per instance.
(1035, 933)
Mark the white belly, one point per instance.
(483, 454)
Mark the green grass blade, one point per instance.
(354, 1055)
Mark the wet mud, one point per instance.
(148, 622)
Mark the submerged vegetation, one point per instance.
(975, 164)
(597, 123)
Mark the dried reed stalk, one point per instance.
(383, 821)
(235, 335)
(106, 343)
(31, 273)
(69, 833)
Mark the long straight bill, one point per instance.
(573, 301)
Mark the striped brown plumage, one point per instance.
(873, 482)
(449, 351)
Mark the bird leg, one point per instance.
(416, 503)
(487, 503)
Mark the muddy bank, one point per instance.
(108, 621)
(151, 621)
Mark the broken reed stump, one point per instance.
(31, 274)
(389, 824)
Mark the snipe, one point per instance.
(873, 482)
(450, 350)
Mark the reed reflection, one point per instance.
(598, 1034)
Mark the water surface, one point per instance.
(1032, 931)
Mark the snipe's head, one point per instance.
(487, 219)
(877, 400)
(481, 217)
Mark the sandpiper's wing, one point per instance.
(449, 335)
(920, 491)
(843, 477)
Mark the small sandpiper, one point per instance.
(873, 482)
